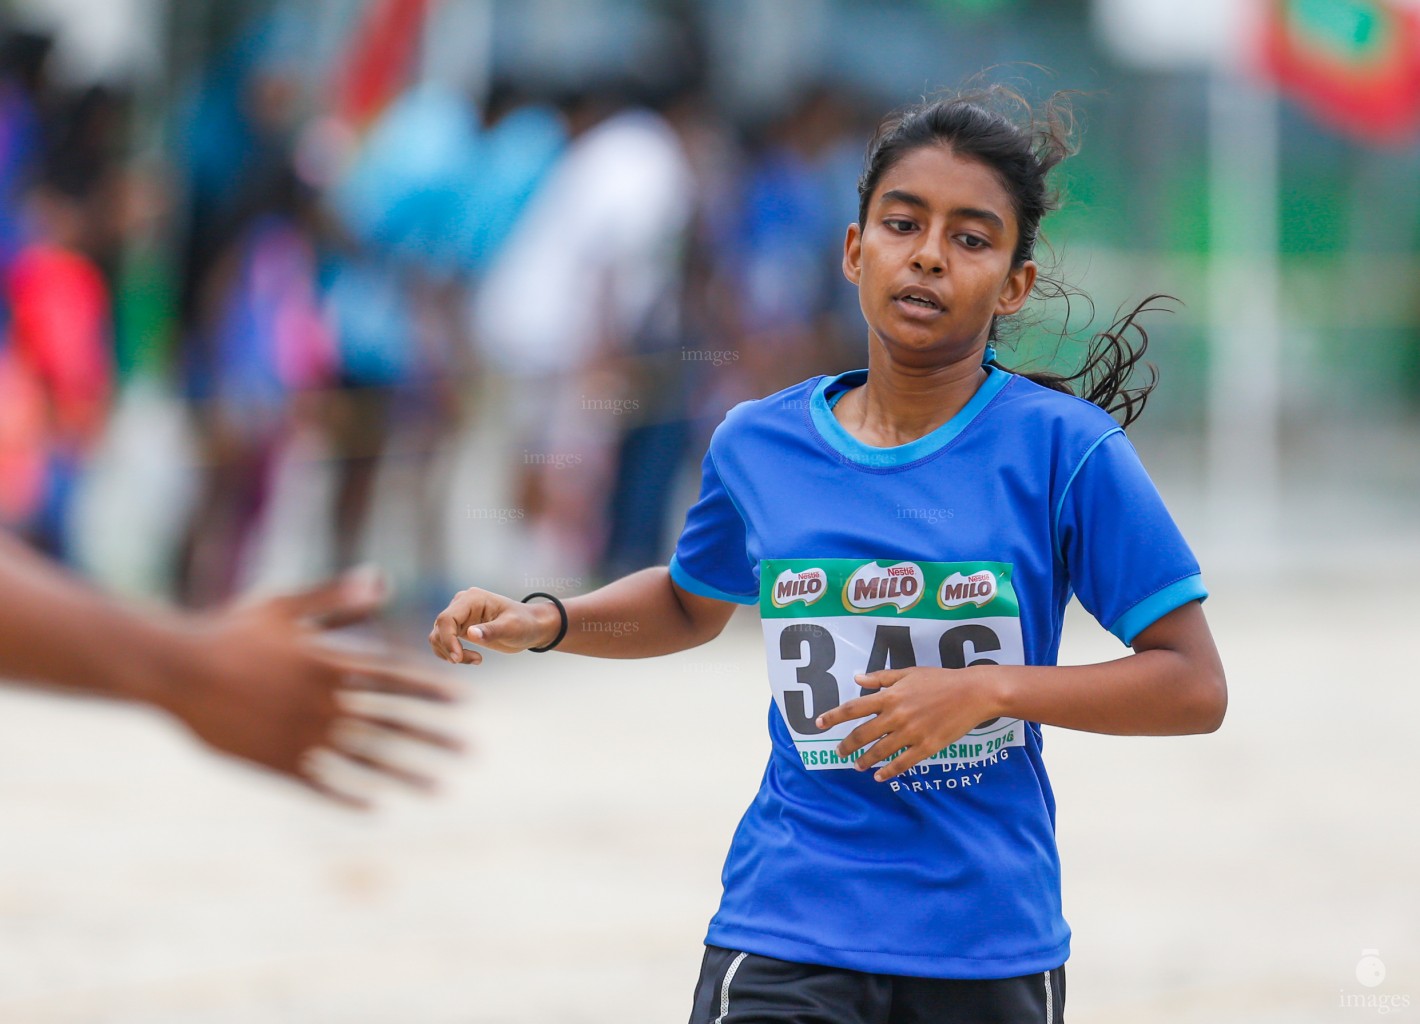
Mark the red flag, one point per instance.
(1354, 63)
(381, 59)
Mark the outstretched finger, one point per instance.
(432, 737)
(858, 707)
(367, 677)
(349, 598)
(346, 800)
(868, 732)
(909, 758)
(883, 749)
(876, 680)
(413, 779)
(309, 774)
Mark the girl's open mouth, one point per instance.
(918, 303)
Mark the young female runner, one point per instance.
(912, 533)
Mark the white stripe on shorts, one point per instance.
(1049, 1001)
(725, 988)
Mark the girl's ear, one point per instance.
(853, 254)
(1017, 288)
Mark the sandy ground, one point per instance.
(567, 871)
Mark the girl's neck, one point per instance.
(900, 404)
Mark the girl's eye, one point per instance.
(973, 241)
(898, 224)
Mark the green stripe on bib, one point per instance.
(810, 588)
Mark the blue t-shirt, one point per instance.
(962, 547)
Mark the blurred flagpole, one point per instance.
(1244, 345)
(1245, 364)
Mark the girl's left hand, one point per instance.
(918, 711)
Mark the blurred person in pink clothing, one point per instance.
(56, 363)
(60, 345)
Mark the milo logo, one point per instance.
(873, 586)
(957, 590)
(803, 588)
(807, 585)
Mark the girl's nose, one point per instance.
(928, 258)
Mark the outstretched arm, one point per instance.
(250, 681)
(638, 616)
(1173, 684)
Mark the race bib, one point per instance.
(827, 619)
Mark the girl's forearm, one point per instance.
(638, 616)
(1163, 689)
(1151, 693)
(1172, 685)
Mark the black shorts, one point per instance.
(744, 988)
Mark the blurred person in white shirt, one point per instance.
(594, 263)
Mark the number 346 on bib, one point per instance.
(826, 620)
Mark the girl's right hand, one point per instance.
(493, 621)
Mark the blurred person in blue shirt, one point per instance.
(432, 193)
(790, 229)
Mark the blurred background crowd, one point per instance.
(460, 287)
(463, 286)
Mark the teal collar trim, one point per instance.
(821, 410)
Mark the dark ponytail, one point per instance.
(974, 125)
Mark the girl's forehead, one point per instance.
(937, 174)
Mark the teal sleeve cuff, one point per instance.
(688, 582)
(1156, 606)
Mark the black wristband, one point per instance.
(561, 610)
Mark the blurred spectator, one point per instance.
(60, 330)
(59, 344)
(429, 199)
(788, 247)
(678, 344)
(23, 405)
(247, 334)
(233, 131)
(595, 259)
(434, 187)
(411, 301)
(23, 87)
(267, 342)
